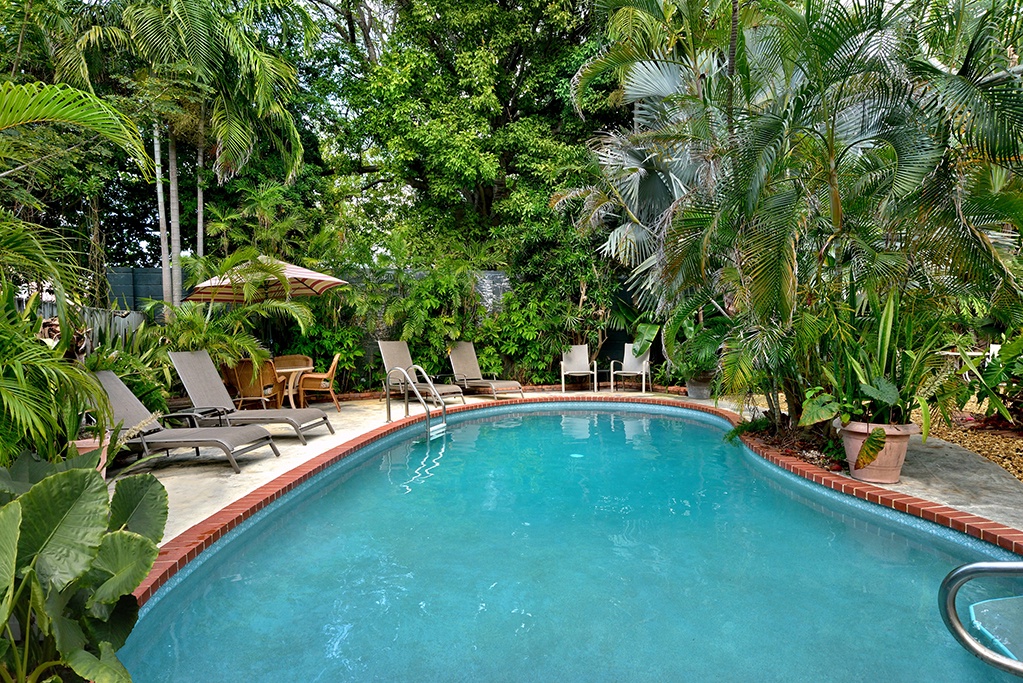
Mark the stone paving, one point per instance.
(200, 486)
(945, 473)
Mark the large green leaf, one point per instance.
(818, 409)
(64, 518)
(872, 445)
(37, 600)
(106, 668)
(645, 335)
(124, 559)
(883, 391)
(10, 524)
(139, 504)
(66, 630)
(115, 623)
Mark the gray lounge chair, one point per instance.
(466, 367)
(632, 366)
(213, 404)
(576, 361)
(395, 355)
(130, 412)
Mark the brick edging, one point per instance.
(535, 388)
(185, 547)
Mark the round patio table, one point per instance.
(293, 373)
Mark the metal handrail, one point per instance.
(947, 604)
(436, 394)
(409, 384)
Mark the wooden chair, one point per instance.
(267, 388)
(319, 382)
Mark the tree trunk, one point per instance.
(164, 248)
(733, 40)
(97, 258)
(200, 158)
(175, 218)
(21, 40)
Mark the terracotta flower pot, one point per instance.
(888, 465)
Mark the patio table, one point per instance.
(293, 373)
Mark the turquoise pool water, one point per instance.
(596, 544)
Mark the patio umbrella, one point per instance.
(301, 281)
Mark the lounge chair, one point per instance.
(466, 367)
(319, 383)
(632, 366)
(576, 361)
(213, 403)
(130, 412)
(395, 355)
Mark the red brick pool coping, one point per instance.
(181, 550)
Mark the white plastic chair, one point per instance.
(576, 361)
(631, 366)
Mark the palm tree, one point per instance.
(671, 61)
(852, 178)
(866, 157)
(228, 65)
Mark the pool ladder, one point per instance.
(432, 431)
(947, 603)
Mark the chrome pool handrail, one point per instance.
(407, 384)
(947, 604)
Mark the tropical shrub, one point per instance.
(889, 362)
(43, 394)
(140, 359)
(524, 340)
(431, 310)
(70, 557)
(321, 342)
(1003, 379)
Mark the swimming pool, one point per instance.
(588, 543)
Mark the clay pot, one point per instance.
(699, 386)
(887, 468)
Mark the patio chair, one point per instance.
(319, 383)
(266, 386)
(632, 366)
(466, 367)
(294, 360)
(395, 354)
(575, 362)
(213, 403)
(130, 412)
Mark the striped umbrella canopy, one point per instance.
(301, 282)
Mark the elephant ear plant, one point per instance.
(70, 557)
(894, 366)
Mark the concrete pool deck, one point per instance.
(205, 486)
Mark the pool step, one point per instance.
(438, 429)
(1000, 621)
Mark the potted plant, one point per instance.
(698, 371)
(894, 367)
(697, 358)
